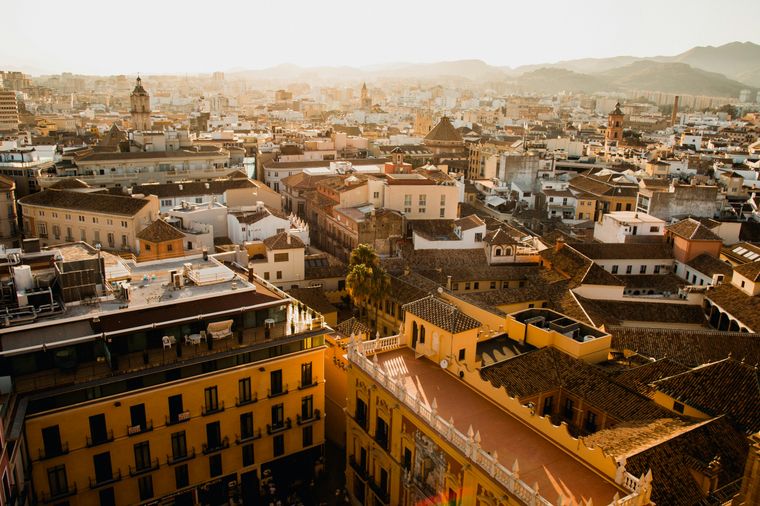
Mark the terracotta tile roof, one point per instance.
(255, 216)
(499, 237)
(444, 131)
(469, 222)
(741, 306)
(193, 188)
(689, 347)
(549, 369)
(659, 282)
(709, 265)
(280, 241)
(749, 270)
(69, 183)
(640, 377)
(353, 326)
(632, 437)
(725, 387)
(693, 230)
(144, 155)
(578, 267)
(89, 202)
(314, 297)
(441, 314)
(403, 291)
(323, 266)
(615, 312)
(673, 460)
(159, 231)
(434, 230)
(612, 251)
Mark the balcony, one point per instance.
(247, 438)
(361, 471)
(278, 392)
(92, 441)
(175, 459)
(213, 447)
(275, 428)
(380, 492)
(184, 416)
(95, 483)
(134, 430)
(136, 471)
(301, 420)
(249, 400)
(53, 452)
(312, 383)
(60, 494)
(210, 410)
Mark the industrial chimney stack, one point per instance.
(674, 115)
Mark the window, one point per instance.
(656, 269)
(306, 378)
(421, 210)
(547, 409)
(147, 247)
(98, 430)
(246, 425)
(175, 408)
(275, 382)
(107, 497)
(212, 399)
(629, 269)
(94, 219)
(654, 229)
(407, 458)
(307, 407)
(614, 269)
(443, 200)
(248, 455)
(42, 229)
(618, 206)
(278, 444)
(278, 416)
(376, 195)
(478, 237)
(461, 354)
(244, 390)
(123, 241)
(381, 432)
(51, 440)
(166, 203)
(307, 435)
(279, 274)
(476, 285)
(422, 200)
(142, 455)
(124, 224)
(266, 276)
(198, 200)
(467, 285)
(102, 464)
(280, 257)
(569, 409)
(56, 232)
(628, 207)
(493, 285)
(643, 269)
(145, 486)
(170, 247)
(361, 413)
(181, 476)
(111, 240)
(81, 218)
(179, 445)
(442, 213)
(215, 465)
(590, 421)
(407, 200)
(57, 481)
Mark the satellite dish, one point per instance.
(444, 364)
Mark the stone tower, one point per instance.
(140, 107)
(615, 125)
(366, 101)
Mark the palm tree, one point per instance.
(381, 287)
(363, 254)
(359, 284)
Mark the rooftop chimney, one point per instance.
(559, 244)
(674, 114)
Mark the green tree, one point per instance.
(366, 281)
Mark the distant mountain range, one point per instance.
(703, 70)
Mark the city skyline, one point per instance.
(120, 45)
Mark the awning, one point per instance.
(494, 201)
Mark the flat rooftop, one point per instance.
(540, 461)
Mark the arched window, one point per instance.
(508, 252)
(422, 334)
(498, 252)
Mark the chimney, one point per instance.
(674, 114)
(288, 237)
(448, 282)
(559, 244)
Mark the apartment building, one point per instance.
(60, 216)
(609, 193)
(8, 112)
(8, 218)
(191, 401)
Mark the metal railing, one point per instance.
(245, 438)
(152, 466)
(285, 425)
(315, 415)
(216, 446)
(210, 410)
(174, 459)
(95, 483)
(91, 441)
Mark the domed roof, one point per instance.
(444, 131)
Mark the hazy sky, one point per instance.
(188, 36)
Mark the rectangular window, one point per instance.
(102, 464)
(643, 269)
(275, 382)
(629, 269)
(248, 455)
(618, 206)
(493, 285)
(614, 269)
(213, 435)
(107, 497)
(278, 444)
(175, 408)
(215, 465)
(98, 429)
(56, 232)
(266, 276)
(181, 476)
(361, 413)
(654, 229)
(306, 378)
(145, 487)
(422, 200)
(137, 417)
(657, 269)
(279, 274)
(57, 481)
(244, 390)
(51, 441)
(548, 404)
(212, 399)
(179, 445)
(407, 200)
(381, 432)
(278, 416)
(376, 195)
(308, 436)
(590, 421)
(142, 455)
(461, 354)
(569, 409)
(246, 425)
(307, 407)
(678, 407)
(280, 257)
(407, 458)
